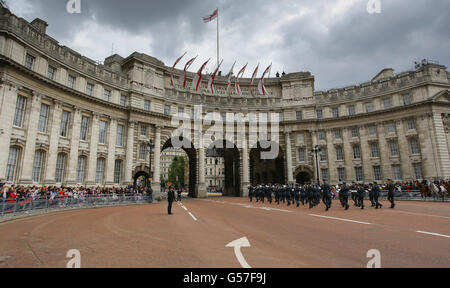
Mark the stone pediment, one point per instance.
(443, 96)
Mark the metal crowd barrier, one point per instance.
(27, 206)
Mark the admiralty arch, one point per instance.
(66, 120)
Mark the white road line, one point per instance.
(193, 217)
(434, 234)
(340, 219)
(419, 214)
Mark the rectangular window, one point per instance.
(323, 155)
(397, 172)
(89, 89)
(351, 110)
(71, 82)
(84, 128)
(20, 111)
(407, 99)
(142, 151)
(411, 124)
(418, 172)
(81, 166)
(37, 166)
(300, 138)
(64, 124)
(375, 151)
(393, 146)
(11, 168)
(391, 128)
(324, 173)
(338, 134)
(356, 152)
(166, 110)
(339, 154)
(301, 155)
(181, 112)
(120, 132)
(415, 147)
(299, 115)
(387, 103)
(355, 132)
(117, 171)
(100, 171)
(359, 174)
(147, 105)
(123, 100)
(377, 173)
(335, 112)
(51, 72)
(319, 114)
(341, 174)
(369, 107)
(372, 130)
(102, 132)
(107, 95)
(321, 135)
(60, 167)
(43, 118)
(29, 61)
(144, 130)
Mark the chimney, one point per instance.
(40, 25)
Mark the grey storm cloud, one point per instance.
(338, 41)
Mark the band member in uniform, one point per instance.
(354, 191)
(372, 201)
(277, 194)
(391, 193)
(297, 193)
(376, 195)
(250, 192)
(326, 194)
(343, 194)
(361, 194)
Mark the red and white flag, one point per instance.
(230, 77)
(198, 77)
(211, 80)
(261, 88)
(236, 84)
(188, 64)
(254, 76)
(211, 17)
(173, 68)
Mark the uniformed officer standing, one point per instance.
(391, 193)
(376, 195)
(170, 199)
(343, 194)
(326, 194)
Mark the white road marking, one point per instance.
(340, 219)
(193, 217)
(418, 214)
(434, 234)
(251, 206)
(237, 244)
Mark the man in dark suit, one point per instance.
(170, 199)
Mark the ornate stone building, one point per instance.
(65, 119)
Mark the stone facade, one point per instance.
(68, 120)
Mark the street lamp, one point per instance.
(150, 148)
(315, 151)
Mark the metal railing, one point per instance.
(16, 207)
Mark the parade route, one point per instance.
(198, 233)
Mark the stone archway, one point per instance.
(141, 178)
(266, 171)
(304, 175)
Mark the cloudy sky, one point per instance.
(338, 41)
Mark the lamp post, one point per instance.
(150, 148)
(315, 151)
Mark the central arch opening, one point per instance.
(266, 171)
(303, 178)
(231, 158)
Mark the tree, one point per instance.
(177, 169)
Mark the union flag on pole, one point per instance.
(173, 68)
(254, 76)
(261, 88)
(230, 76)
(211, 17)
(236, 84)
(188, 64)
(198, 77)
(211, 80)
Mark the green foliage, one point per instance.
(177, 169)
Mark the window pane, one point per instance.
(100, 171)
(84, 128)
(43, 116)
(51, 72)
(339, 154)
(11, 168)
(37, 166)
(64, 124)
(20, 110)
(80, 169)
(359, 174)
(60, 167)
(117, 171)
(102, 132)
(393, 145)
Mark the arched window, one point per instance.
(100, 171)
(81, 168)
(13, 164)
(118, 171)
(61, 167)
(38, 166)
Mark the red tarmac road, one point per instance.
(196, 236)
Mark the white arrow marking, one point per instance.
(237, 244)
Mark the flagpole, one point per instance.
(217, 37)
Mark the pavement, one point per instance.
(413, 235)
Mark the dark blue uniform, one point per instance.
(327, 195)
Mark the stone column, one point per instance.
(8, 100)
(31, 134)
(290, 172)
(54, 129)
(245, 169)
(92, 161)
(332, 167)
(74, 147)
(110, 161)
(156, 184)
(366, 156)
(403, 146)
(201, 187)
(441, 146)
(385, 152)
(129, 154)
(348, 155)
